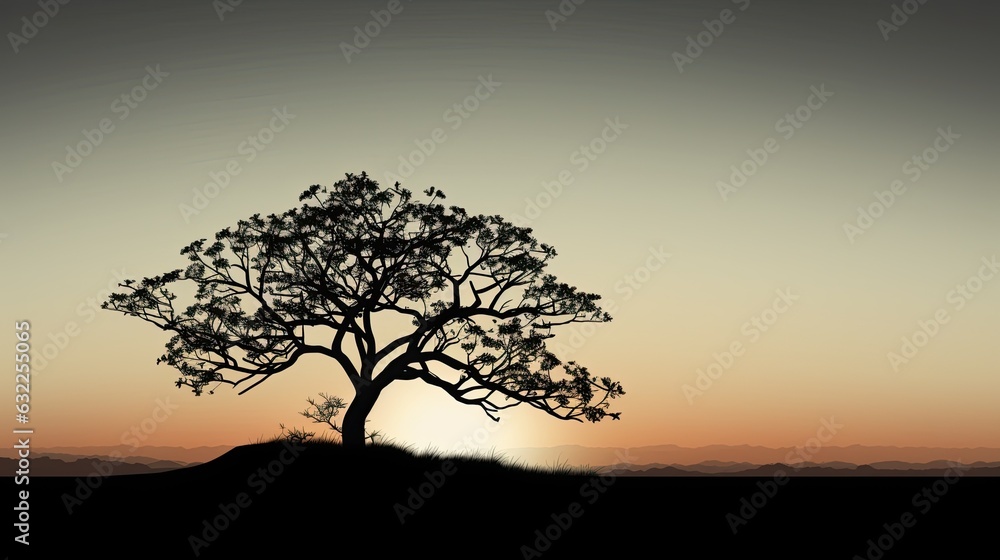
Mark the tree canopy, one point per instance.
(322, 277)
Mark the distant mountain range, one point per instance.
(735, 458)
(84, 461)
(86, 466)
(658, 460)
(721, 467)
(885, 468)
(153, 452)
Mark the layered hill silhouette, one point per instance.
(183, 455)
(935, 469)
(714, 459)
(71, 465)
(875, 455)
(321, 498)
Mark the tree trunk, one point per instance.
(353, 429)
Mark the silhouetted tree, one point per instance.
(315, 279)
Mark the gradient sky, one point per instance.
(655, 185)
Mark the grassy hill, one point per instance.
(322, 498)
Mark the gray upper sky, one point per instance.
(766, 146)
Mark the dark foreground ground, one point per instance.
(319, 499)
